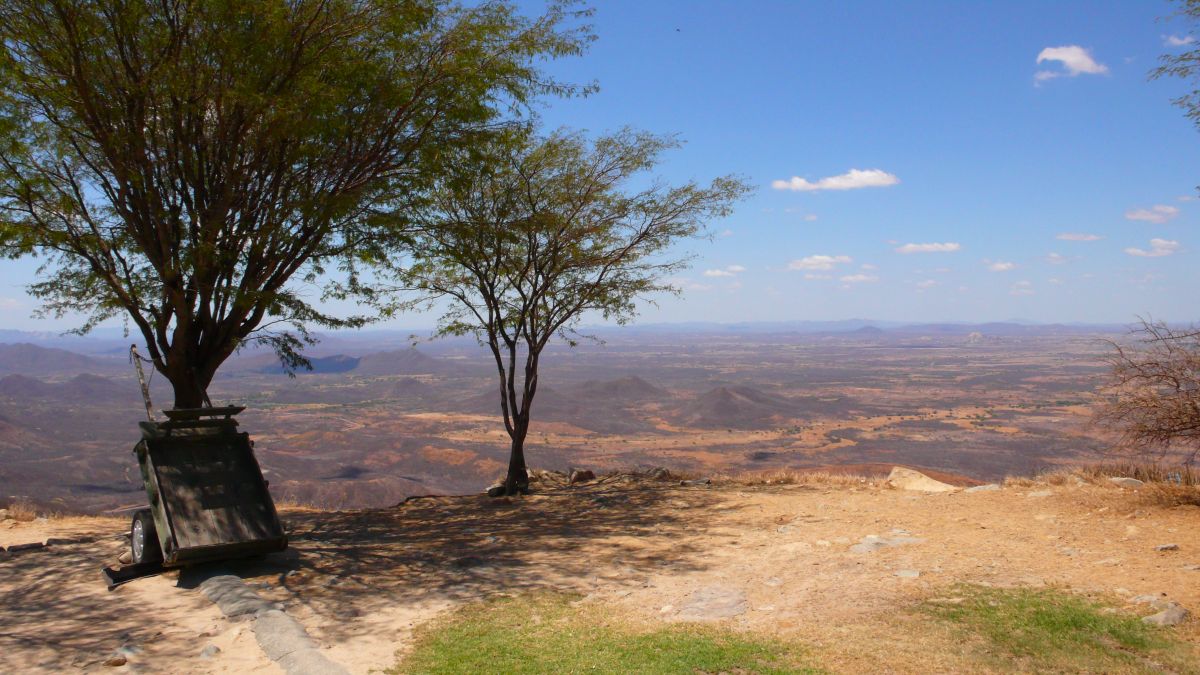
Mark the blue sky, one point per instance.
(957, 140)
(944, 97)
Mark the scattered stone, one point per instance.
(907, 479)
(1124, 482)
(773, 582)
(1040, 493)
(495, 491)
(58, 542)
(581, 476)
(872, 543)
(1192, 568)
(907, 574)
(116, 661)
(713, 602)
(1144, 599)
(126, 557)
(990, 487)
(658, 473)
(666, 609)
(32, 546)
(698, 481)
(209, 651)
(1171, 616)
(1167, 547)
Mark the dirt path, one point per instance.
(784, 560)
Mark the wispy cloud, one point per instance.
(729, 271)
(10, 303)
(1075, 60)
(1159, 213)
(819, 262)
(999, 265)
(1176, 41)
(1056, 259)
(1078, 236)
(933, 247)
(858, 278)
(1021, 288)
(853, 179)
(725, 233)
(1158, 249)
(926, 284)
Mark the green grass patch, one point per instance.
(1046, 630)
(550, 634)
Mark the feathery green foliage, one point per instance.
(526, 236)
(200, 165)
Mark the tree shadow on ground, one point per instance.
(456, 549)
(56, 614)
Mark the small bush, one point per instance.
(22, 511)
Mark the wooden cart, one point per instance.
(208, 498)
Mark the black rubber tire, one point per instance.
(143, 538)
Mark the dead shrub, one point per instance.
(22, 511)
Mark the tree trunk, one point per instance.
(190, 389)
(517, 479)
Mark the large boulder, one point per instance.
(907, 479)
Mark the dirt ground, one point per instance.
(775, 559)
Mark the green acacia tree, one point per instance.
(526, 236)
(200, 165)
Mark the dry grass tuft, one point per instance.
(22, 511)
(1169, 495)
(796, 477)
(1143, 471)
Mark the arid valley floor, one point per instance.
(378, 420)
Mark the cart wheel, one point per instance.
(143, 538)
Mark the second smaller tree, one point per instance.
(531, 235)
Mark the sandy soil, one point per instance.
(361, 580)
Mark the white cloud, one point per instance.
(1159, 213)
(1056, 259)
(1158, 249)
(1176, 41)
(999, 265)
(1186, 198)
(1078, 236)
(927, 283)
(728, 271)
(946, 247)
(685, 284)
(817, 277)
(858, 278)
(819, 262)
(725, 233)
(867, 266)
(851, 180)
(10, 303)
(1075, 60)
(807, 217)
(1055, 281)
(1021, 288)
